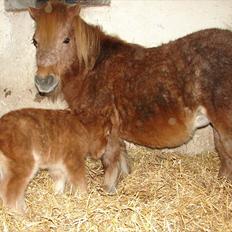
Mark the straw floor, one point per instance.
(164, 192)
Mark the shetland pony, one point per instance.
(52, 139)
(161, 94)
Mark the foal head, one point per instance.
(55, 43)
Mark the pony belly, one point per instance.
(159, 136)
(167, 131)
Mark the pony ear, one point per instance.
(34, 12)
(74, 10)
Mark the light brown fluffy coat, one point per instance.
(52, 139)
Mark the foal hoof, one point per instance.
(16, 209)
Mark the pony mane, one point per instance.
(88, 42)
(87, 37)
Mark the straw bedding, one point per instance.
(164, 192)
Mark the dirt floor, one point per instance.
(164, 192)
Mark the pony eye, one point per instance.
(66, 41)
(35, 42)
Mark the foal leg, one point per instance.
(14, 183)
(4, 173)
(75, 166)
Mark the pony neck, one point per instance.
(93, 44)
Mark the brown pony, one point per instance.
(50, 139)
(159, 95)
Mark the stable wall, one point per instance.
(147, 22)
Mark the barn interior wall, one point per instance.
(148, 22)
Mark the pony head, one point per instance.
(54, 39)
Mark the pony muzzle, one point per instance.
(46, 84)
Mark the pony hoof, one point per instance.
(110, 189)
(225, 173)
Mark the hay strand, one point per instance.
(165, 192)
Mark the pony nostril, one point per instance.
(50, 79)
(38, 80)
(45, 84)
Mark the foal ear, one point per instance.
(34, 12)
(74, 10)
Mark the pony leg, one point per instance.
(111, 168)
(76, 173)
(114, 162)
(59, 178)
(124, 162)
(223, 145)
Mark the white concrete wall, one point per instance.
(147, 22)
(17, 62)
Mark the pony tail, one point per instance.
(87, 39)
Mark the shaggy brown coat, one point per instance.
(161, 94)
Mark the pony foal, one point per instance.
(50, 139)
